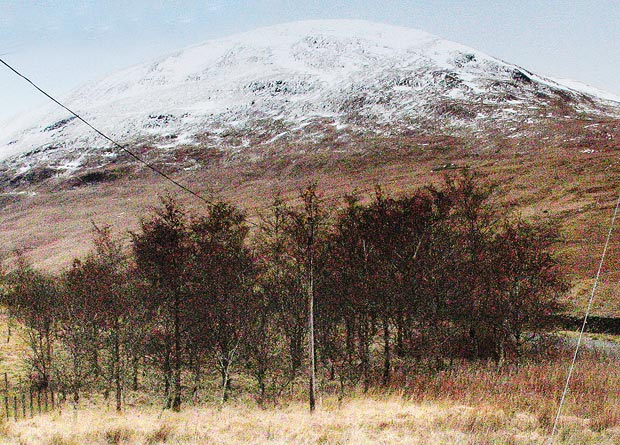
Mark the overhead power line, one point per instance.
(137, 157)
(108, 138)
(134, 155)
(585, 322)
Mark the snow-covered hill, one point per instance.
(295, 81)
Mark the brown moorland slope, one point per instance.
(569, 173)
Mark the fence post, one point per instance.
(15, 413)
(6, 396)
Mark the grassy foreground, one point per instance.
(475, 403)
(363, 420)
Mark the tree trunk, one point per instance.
(364, 355)
(296, 349)
(117, 371)
(176, 402)
(312, 388)
(167, 378)
(387, 365)
(134, 384)
(225, 364)
(400, 336)
(197, 377)
(48, 359)
(350, 341)
(95, 352)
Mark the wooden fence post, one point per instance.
(6, 395)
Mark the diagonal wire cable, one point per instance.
(129, 152)
(585, 321)
(106, 137)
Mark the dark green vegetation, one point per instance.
(427, 280)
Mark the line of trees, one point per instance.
(347, 295)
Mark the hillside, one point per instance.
(347, 103)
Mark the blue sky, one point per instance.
(62, 44)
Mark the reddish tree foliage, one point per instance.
(415, 280)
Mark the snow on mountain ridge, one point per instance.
(290, 52)
(355, 73)
(587, 89)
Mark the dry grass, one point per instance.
(475, 403)
(534, 388)
(13, 350)
(363, 420)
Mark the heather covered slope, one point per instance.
(573, 186)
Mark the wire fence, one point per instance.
(21, 402)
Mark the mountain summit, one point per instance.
(295, 82)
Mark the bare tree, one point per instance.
(101, 284)
(162, 258)
(32, 298)
(306, 228)
(222, 284)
